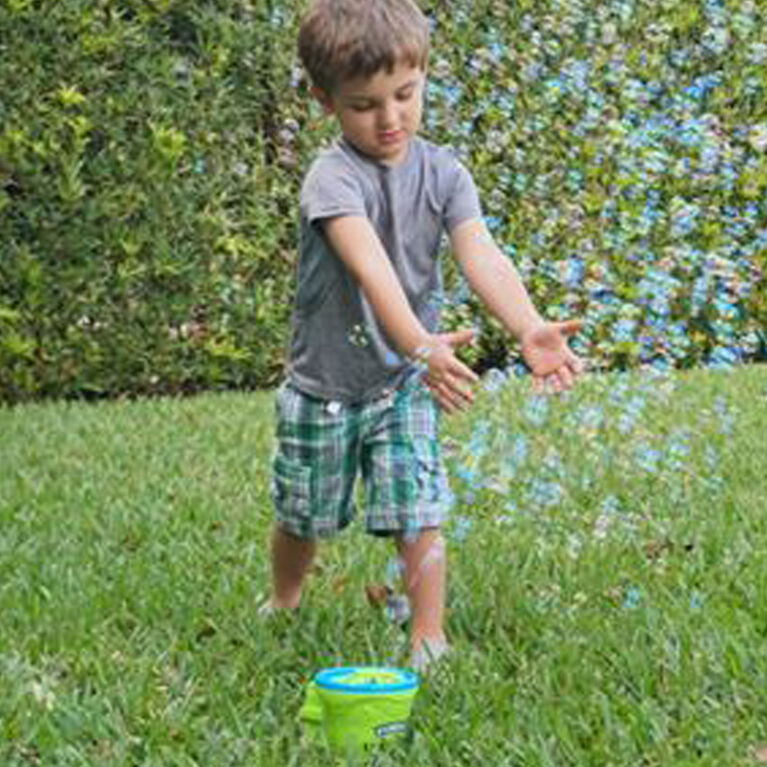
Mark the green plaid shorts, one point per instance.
(391, 441)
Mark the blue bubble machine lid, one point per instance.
(367, 679)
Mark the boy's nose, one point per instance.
(387, 116)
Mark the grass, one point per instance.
(606, 602)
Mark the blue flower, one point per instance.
(536, 410)
(542, 493)
(723, 357)
(494, 380)
(648, 458)
(461, 528)
(632, 598)
(623, 330)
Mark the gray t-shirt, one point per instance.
(339, 350)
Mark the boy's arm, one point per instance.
(356, 243)
(494, 279)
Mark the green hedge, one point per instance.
(148, 207)
(151, 154)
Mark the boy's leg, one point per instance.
(425, 567)
(291, 559)
(312, 486)
(407, 494)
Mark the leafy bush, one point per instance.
(147, 220)
(151, 154)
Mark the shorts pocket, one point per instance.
(291, 489)
(286, 402)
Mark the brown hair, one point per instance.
(341, 39)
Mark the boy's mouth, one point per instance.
(390, 136)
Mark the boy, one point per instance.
(373, 208)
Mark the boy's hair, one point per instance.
(341, 39)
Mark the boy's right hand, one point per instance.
(448, 378)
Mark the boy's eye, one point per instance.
(366, 106)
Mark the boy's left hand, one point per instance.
(447, 399)
(553, 364)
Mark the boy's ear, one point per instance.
(324, 98)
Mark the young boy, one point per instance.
(368, 371)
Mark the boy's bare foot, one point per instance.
(272, 607)
(428, 653)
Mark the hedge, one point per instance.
(151, 153)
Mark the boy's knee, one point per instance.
(292, 538)
(430, 537)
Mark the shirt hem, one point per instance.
(386, 386)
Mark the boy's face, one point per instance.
(379, 115)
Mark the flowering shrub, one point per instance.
(621, 149)
(151, 155)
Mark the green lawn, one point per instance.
(607, 583)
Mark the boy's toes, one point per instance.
(268, 610)
(428, 654)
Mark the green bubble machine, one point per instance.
(357, 707)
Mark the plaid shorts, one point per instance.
(392, 441)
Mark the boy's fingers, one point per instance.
(570, 327)
(579, 365)
(446, 402)
(460, 370)
(575, 365)
(566, 379)
(458, 337)
(457, 398)
(450, 389)
(440, 394)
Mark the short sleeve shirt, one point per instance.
(338, 349)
